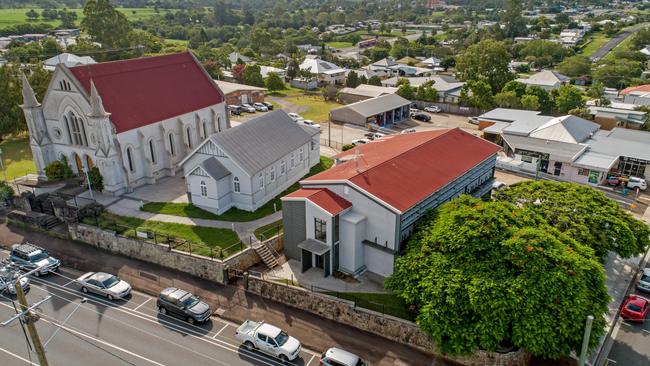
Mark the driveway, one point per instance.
(602, 51)
(167, 189)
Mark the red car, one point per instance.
(635, 308)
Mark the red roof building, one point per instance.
(327, 200)
(636, 89)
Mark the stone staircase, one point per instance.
(267, 257)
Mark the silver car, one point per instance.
(8, 277)
(104, 284)
(644, 281)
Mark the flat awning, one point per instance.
(314, 246)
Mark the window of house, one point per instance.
(152, 152)
(204, 189)
(205, 129)
(584, 172)
(219, 123)
(335, 229)
(272, 174)
(320, 230)
(261, 178)
(293, 162)
(313, 145)
(302, 154)
(76, 129)
(171, 144)
(189, 137)
(129, 159)
(527, 159)
(236, 186)
(283, 167)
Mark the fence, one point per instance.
(331, 143)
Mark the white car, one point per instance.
(338, 357)
(432, 109)
(644, 281)
(269, 339)
(358, 142)
(247, 108)
(473, 120)
(104, 284)
(309, 123)
(636, 182)
(8, 277)
(408, 130)
(260, 107)
(295, 116)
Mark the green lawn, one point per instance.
(440, 37)
(203, 239)
(17, 158)
(269, 231)
(10, 17)
(290, 91)
(384, 303)
(339, 44)
(176, 42)
(597, 40)
(234, 214)
(317, 108)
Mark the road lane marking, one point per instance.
(18, 357)
(610, 360)
(219, 332)
(310, 360)
(68, 283)
(138, 307)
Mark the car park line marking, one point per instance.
(310, 360)
(645, 330)
(146, 301)
(18, 357)
(262, 358)
(219, 332)
(68, 283)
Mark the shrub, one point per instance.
(58, 169)
(347, 147)
(96, 179)
(91, 210)
(6, 191)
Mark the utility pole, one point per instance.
(585, 340)
(30, 319)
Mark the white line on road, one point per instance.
(647, 331)
(310, 360)
(68, 283)
(18, 357)
(139, 306)
(219, 332)
(610, 360)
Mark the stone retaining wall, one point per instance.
(389, 327)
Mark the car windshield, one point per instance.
(38, 256)
(634, 307)
(282, 338)
(190, 300)
(8, 275)
(361, 363)
(111, 281)
(645, 278)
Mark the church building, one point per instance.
(135, 120)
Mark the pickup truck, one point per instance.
(269, 339)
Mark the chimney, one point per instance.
(356, 159)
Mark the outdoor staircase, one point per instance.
(267, 257)
(50, 222)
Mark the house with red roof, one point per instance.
(356, 216)
(133, 119)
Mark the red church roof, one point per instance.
(323, 198)
(142, 91)
(402, 170)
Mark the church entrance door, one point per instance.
(89, 162)
(80, 166)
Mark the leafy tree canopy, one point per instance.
(487, 59)
(567, 97)
(105, 24)
(575, 66)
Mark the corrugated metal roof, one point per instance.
(314, 246)
(228, 88)
(373, 106)
(560, 151)
(595, 160)
(509, 115)
(323, 198)
(570, 129)
(622, 142)
(262, 141)
(214, 168)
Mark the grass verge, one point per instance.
(269, 230)
(384, 303)
(17, 158)
(317, 108)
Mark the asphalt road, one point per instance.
(126, 332)
(631, 345)
(602, 51)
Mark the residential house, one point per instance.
(237, 94)
(304, 83)
(358, 215)
(68, 60)
(431, 62)
(382, 111)
(248, 165)
(447, 86)
(325, 72)
(265, 70)
(547, 80)
(363, 92)
(133, 119)
(571, 37)
(611, 117)
(235, 57)
(639, 95)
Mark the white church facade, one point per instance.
(135, 120)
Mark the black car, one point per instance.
(268, 105)
(421, 117)
(184, 305)
(235, 109)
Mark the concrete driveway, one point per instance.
(167, 189)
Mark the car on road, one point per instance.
(295, 116)
(234, 110)
(268, 105)
(635, 308)
(8, 277)
(644, 281)
(104, 284)
(338, 357)
(30, 257)
(269, 339)
(184, 305)
(473, 120)
(247, 108)
(636, 182)
(408, 130)
(421, 117)
(260, 107)
(433, 109)
(357, 142)
(308, 123)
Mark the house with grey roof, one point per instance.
(251, 163)
(67, 59)
(327, 73)
(363, 92)
(547, 80)
(448, 87)
(383, 111)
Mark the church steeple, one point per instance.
(96, 105)
(29, 97)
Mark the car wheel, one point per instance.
(109, 297)
(191, 320)
(162, 310)
(84, 290)
(249, 345)
(284, 358)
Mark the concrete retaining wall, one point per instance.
(389, 327)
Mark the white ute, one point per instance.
(268, 339)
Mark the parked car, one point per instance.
(613, 180)
(377, 135)
(295, 116)
(497, 185)
(184, 305)
(308, 123)
(268, 105)
(432, 109)
(338, 357)
(636, 182)
(268, 339)
(421, 117)
(247, 108)
(473, 120)
(414, 109)
(260, 107)
(408, 130)
(644, 281)
(30, 257)
(234, 110)
(8, 277)
(104, 284)
(635, 308)
(358, 142)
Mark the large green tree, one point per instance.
(253, 76)
(104, 24)
(477, 94)
(567, 97)
(575, 66)
(487, 59)
(618, 73)
(487, 275)
(11, 115)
